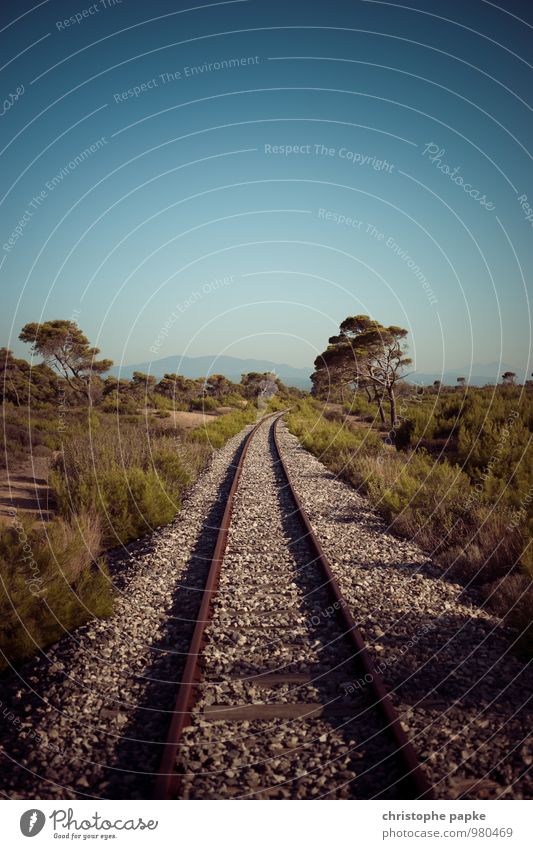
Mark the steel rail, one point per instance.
(415, 778)
(167, 783)
(167, 778)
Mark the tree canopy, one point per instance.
(65, 349)
(20, 382)
(365, 355)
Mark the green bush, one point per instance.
(170, 467)
(217, 432)
(114, 481)
(233, 399)
(130, 477)
(330, 440)
(207, 404)
(51, 583)
(27, 433)
(276, 404)
(360, 406)
(132, 481)
(164, 404)
(119, 404)
(488, 433)
(477, 533)
(132, 503)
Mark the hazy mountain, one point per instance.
(231, 367)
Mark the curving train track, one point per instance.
(267, 706)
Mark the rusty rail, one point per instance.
(414, 781)
(168, 778)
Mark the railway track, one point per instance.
(266, 707)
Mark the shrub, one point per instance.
(483, 546)
(131, 503)
(233, 399)
(216, 433)
(331, 441)
(170, 467)
(205, 404)
(276, 404)
(51, 582)
(130, 477)
(476, 534)
(511, 596)
(114, 481)
(360, 406)
(25, 435)
(119, 404)
(131, 481)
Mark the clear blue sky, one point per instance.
(186, 186)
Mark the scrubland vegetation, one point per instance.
(476, 524)
(453, 469)
(450, 467)
(52, 581)
(119, 467)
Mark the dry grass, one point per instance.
(474, 540)
(511, 596)
(130, 478)
(112, 483)
(51, 582)
(182, 420)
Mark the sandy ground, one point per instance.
(24, 487)
(188, 421)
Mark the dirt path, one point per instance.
(24, 487)
(188, 420)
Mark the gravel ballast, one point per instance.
(273, 615)
(89, 716)
(452, 668)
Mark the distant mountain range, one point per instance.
(233, 367)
